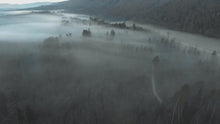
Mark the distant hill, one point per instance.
(195, 16)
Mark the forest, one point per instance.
(111, 62)
(194, 16)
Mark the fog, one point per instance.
(53, 73)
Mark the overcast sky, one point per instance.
(26, 1)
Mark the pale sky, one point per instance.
(27, 1)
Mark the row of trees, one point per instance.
(196, 16)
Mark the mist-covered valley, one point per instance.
(63, 68)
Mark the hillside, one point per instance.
(195, 16)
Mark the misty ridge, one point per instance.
(110, 62)
(194, 16)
